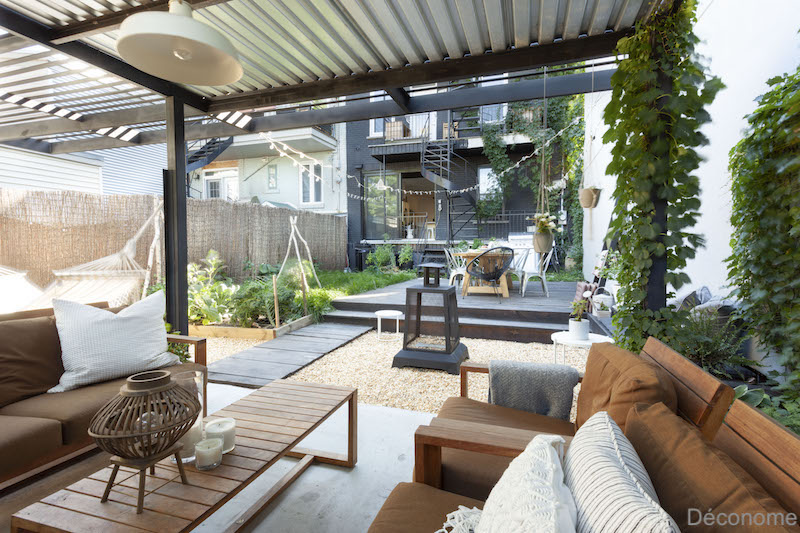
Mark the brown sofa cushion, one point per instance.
(25, 440)
(30, 356)
(474, 474)
(689, 473)
(616, 379)
(415, 507)
(75, 408)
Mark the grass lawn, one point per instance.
(336, 283)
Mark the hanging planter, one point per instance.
(543, 241)
(589, 197)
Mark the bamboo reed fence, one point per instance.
(42, 231)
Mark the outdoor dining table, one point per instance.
(486, 261)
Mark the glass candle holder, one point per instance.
(208, 454)
(225, 429)
(192, 381)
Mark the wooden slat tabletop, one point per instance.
(270, 422)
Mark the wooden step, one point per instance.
(482, 328)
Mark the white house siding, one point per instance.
(133, 169)
(253, 182)
(25, 169)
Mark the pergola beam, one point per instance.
(512, 92)
(35, 31)
(95, 121)
(452, 69)
(31, 144)
(400, 97)
(111, 21)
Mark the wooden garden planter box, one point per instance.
(249, 333)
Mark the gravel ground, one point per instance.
(366, 363)
(221, 347)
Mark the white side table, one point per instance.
(388, 313)
(564, 339)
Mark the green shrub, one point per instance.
(210, 292)
(406, 256)
(255, 301)
(712, 342)
(382, 257)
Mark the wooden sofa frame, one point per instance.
(764, 448)
(703, 400)
(62, 456)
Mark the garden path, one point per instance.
(283, 356)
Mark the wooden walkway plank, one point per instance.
(283, 356)
(44, 517)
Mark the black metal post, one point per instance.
(175, 219)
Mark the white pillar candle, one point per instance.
(190, 438)
(208, 454)
(225, 429)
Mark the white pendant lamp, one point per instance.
(178, 48)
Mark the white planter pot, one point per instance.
(579, 329)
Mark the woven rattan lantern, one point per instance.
(143, 424)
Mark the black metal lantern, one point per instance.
(434, 344)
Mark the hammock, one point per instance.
(17, 290)
(116, 278)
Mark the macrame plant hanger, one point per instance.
(543, 204)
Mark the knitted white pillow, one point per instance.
(611, 487)
(531, 494)
(98, 345)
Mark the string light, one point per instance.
(381, 185)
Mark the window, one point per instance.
(213, 188)
(310, 185)
(487, 181)
(221, 183)
(272, 178)
(376, 127)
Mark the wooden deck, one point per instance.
(532, 318)
(561, 295)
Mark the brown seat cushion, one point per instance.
(616, 379)
(24, 441)
(75, 408)
(689, 473)
(30, 356)
(417, 508)
(474, 474)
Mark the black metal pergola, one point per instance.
(329, 53)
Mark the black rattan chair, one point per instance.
(491, 266)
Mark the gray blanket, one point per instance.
(541, 388)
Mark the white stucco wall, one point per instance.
(745, 43)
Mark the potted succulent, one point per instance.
(544, 225)
(578, 326)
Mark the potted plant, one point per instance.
(588, 197)
(578, 326)
(544, 225)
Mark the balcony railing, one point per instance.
(499, 226)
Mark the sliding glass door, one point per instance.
(382, 206)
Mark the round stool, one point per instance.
(388, 313)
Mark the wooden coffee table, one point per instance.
(270, 422)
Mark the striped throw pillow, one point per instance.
(610, 485)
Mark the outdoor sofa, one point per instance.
(699, 448)
(39, 430)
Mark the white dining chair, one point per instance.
(535, 267)
(456, 265)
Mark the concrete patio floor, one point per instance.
(323, 499)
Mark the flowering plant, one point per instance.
(545, 222)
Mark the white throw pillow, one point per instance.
(98, 345)
(531, 494)
(610, 485)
